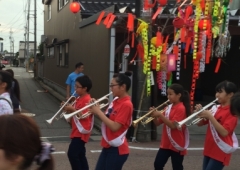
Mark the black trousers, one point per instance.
(162, 158)
(77, 155)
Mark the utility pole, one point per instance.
(142, 133)
(27, 50)
(11, 43)
(35, 37)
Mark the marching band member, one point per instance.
(115, 124)
(220, 140)
(174, 142)
(81, 128)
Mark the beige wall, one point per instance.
(89, 45)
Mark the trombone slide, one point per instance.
(179, 124)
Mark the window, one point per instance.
(62, 3)
(49, 12)
(62, 59)
(50, 52)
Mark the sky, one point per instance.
(13, 16)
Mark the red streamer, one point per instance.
(100, 17)
(218, 65)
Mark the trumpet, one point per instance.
(85, 115)
(67, 116)
(197, 120)
(135, 122)
(57, 115)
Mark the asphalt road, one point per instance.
(36, 100)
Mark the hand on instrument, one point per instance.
(95, 108)
(198, 107)
(69, 108)
(154, 113)
(205, 114)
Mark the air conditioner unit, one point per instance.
(44, 39)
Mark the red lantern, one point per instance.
(162, 2)
(178, 22)
(74, 7)
(203, 24)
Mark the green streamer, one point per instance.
(170, 80)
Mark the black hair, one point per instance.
(228, 86)
(20, 135)
(185, 98)
(78, 65)
(235, 104)
(15, 85)
(7, 78)
(85, 81)
(123, 78)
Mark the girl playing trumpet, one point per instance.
(174, 141)
(115, 124)
(220, 140)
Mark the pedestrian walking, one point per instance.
(5, 99)
(15, 93)
(115, 123)
(174, 141)
(220, 140)
(81, 128)
(70, 82)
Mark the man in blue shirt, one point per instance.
(71, 79)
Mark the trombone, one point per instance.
(135, 122)
(58, 116)
(197, 120)
(67, 116)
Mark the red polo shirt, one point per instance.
(86, 123)
(229, 122)
(121, 113)
(177, 113)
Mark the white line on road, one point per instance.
(55, 137)
(95, 151)
(152, 149)
(60, 152)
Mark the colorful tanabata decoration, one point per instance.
(197, 26)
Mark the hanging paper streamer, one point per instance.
(227, 21)
(170, 80)
(164, 83)
(203, 54)
(179, 60)
(197, 18)
(155, 53)
(159, 79)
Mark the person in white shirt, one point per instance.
(5, 86)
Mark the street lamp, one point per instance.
(1, 38)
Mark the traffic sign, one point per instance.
(126, 51)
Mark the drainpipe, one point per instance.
(112, 54)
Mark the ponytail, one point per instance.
(186, 102)
(185, 98)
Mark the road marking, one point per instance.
(95, 151)
(152, 149)
(60, 152)
(55, 137)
